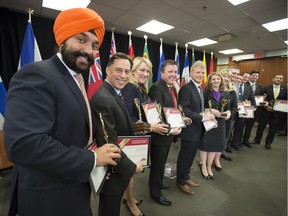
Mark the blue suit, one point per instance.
(46, 129)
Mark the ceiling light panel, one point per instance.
(230, 51)
(202, 42)
(65, 4)
(155, 27)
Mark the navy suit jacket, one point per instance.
(248, 94)
(46, 129)
(130, 92)
(268, 90)
(117, 123)
(190, 100)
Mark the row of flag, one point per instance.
(95, 75)
(30, 53)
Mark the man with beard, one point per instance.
(274, 92)
(48, 124)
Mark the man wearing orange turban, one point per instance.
(47, 124)
(77, 20)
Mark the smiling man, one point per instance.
(116, 119)
(162, 92)
(192, 100)
(47, 124)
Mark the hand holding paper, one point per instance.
(139, 168)
(207, 116)
(216, 113)
(160, 128)
(228, 115)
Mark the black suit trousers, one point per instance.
(237, 131)
(273, 124)
(185, 160)
(109, 205)
(158, 155)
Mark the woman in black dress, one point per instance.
(138, 88)
(217, 101)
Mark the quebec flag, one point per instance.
(2, 103)
(30, 50)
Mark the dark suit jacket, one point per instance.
(248, 94)
(46, 128)
(190, 100)
(160, 92)
(268, 90)
(117, 123)
(129, 93)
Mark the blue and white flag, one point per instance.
(2, 103)
(185, 72)
(177, 59)
(162, 59)
(30, 50)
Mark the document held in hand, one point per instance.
(210, 124)
(97, 176)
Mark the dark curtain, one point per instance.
(12, 28)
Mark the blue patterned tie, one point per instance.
(240, 92)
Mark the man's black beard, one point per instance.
(69, 58)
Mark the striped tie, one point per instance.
(80, 81)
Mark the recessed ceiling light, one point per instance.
(155, 27)
(276, 25)
(237, 2)
(230, 51)
(65, 4)
(202, 42)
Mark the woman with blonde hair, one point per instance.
(138, 88)
(230, 88)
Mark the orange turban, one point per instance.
(77, 20)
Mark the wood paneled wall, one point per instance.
(267, 68)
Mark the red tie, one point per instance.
(173, 97)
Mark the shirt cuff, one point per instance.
(95, 158)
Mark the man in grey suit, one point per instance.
(244, 92)
(108, 101)
(192, 100)
(47, 124)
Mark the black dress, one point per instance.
(214, 139)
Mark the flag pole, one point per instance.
(145, 38)
(129, 33)
(30, 12)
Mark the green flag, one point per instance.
(146, 55)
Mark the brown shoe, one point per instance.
(191, 183)
(185, 188)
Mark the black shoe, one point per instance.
(204, 176)
(128, 208)
(228, 150)
(218, 168)
(268, 146)
(247, 144)
(235, 147)
(165, 186)
(138, 201)
(226, 157)
(211, 177)
(255, 142)
(162, 200)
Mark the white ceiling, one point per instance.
(190, 19)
